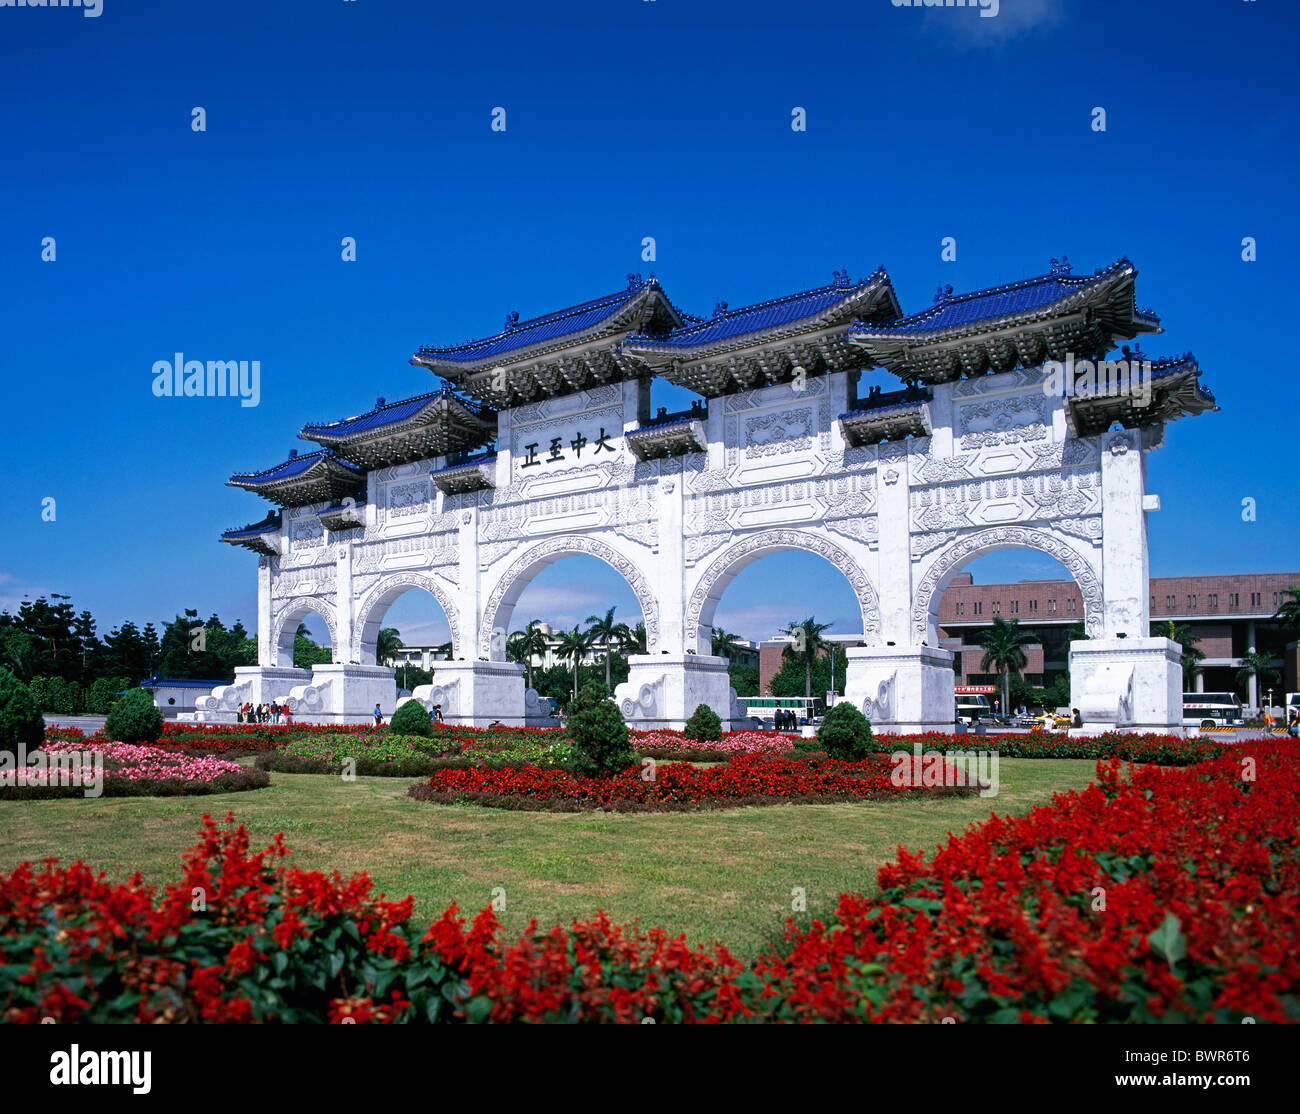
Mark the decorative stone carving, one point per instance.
(646, 702)
(786, 432)
(928, 543)
(880, 708)
(984, 541)
(407, 499)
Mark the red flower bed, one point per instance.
(743, 780)
(1172, 895)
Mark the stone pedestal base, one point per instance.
(253, 684)
(902, 689)
(1127, 684)
(340, 693)
(663, 690)
(478, 693)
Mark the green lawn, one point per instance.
(722, 876)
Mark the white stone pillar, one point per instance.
(1125, 579)
(668, 569)
(467, 588)
(894, 585)
(346, 647)
(265, 648)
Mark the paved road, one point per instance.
(88, 724)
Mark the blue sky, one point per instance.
(625, 119)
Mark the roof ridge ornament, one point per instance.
(841, 278)
(719, 308)
(512, 321)
(943, 295)
(1061, 267)
(379, 402)
(634, 281)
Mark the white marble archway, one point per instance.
(374, 606)
(284, 627)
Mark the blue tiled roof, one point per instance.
(294, 466)
(386, 414)
(180, 683)
(254, 531)
(540, 330)
(1026, 296)
(762, 317)
(652, 427)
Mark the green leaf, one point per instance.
(1168, 941)
(478, 1009)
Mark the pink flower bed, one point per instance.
(665, 744)
(141, 763)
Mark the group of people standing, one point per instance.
(264, 713)
(785, 719)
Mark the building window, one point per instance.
(1255, 599)
(997, 607)
(1015, 607)
(1191, 603)
(978, 608)
(1212, 600)
(1069, 605)
(1169, 603)
(1051, 605)
(961, 609)
(1277, 598)
(1033, 605)
(1234, 599)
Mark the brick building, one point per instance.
(1229, 614)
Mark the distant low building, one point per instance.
(177, 694)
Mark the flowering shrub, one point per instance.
(131, 771)
(1172, 895)
(743, 780)
(674, 745)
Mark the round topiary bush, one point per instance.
(845, 733)
(134, 719)
(412, 719)
(705, 725)
(600, 735)
(20, 717)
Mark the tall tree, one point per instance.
(1257, 665)
(724, 643)
(1192, 657)
(1289, 612)
(805, 644)
(529, 644)
(605, 632)
(1004, 652)
(387, 643)
(636, 643)
(573, 646)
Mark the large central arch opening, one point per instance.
(564, 613)
(1016, 602)
(404, 625)
(783, 616)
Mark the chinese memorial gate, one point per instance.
(540, 443)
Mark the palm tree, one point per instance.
(386, 646)
(1004, 652)
(1192, 657)
(606, 632)
(724, 642)
(1257, 665)
(1289, 612)
(805, 644)
(635, 642)
(574, 644)
(527, 644)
